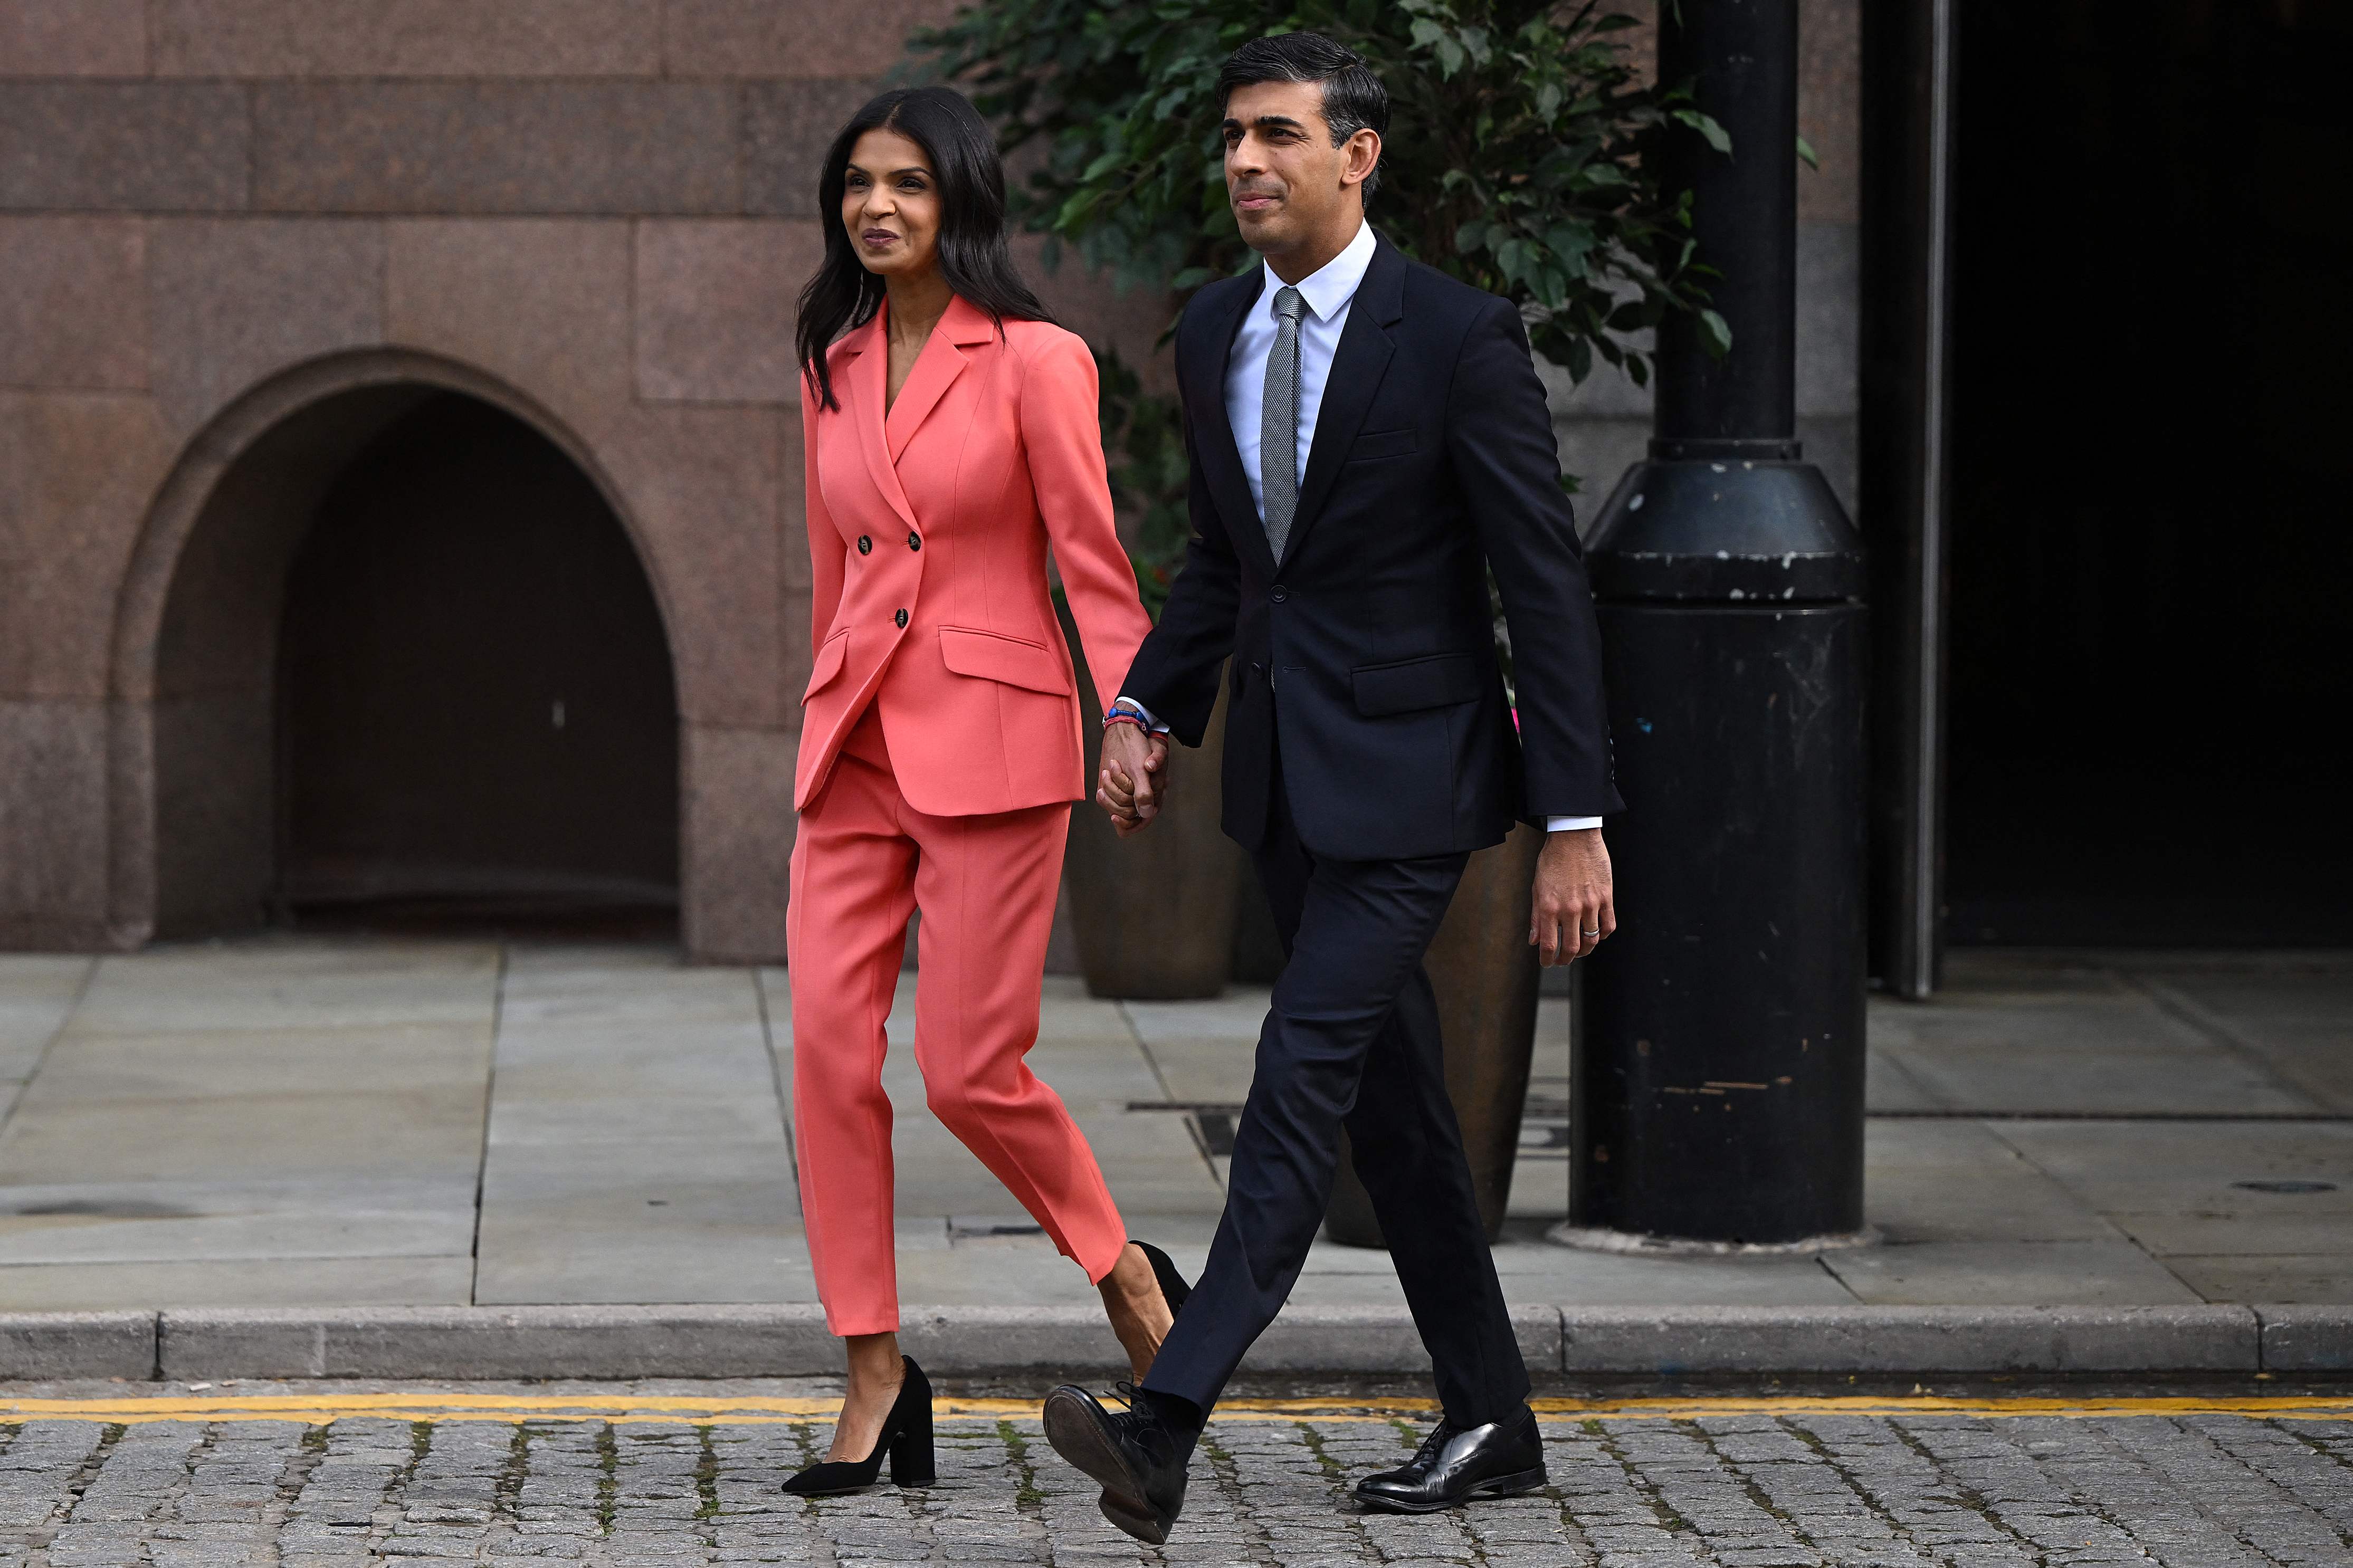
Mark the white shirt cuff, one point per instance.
(1570, 824)
(1141, 712)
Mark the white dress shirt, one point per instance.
(1328, 292)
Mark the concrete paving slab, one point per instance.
(2250, 1228)
(1205, 1069)
(1888, 1084)
(590, 1222)
(294, 1137)
(2059, 1072)
(2191, 1167)
(1955, 1181)
(288, 983)
(2319, 1279)
(235, 1064)
(245, 1282)
(2007, 1273)
(355, 1232)
(562, 986)
(37, 992)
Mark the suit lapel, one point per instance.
(1220, 458)
(935, 370)
(1357, 366)
(867, 384)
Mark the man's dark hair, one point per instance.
(1353, 98)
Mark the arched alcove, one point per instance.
(387, 639)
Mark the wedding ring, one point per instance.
(1594, 933)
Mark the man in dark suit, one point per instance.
(1369, 438)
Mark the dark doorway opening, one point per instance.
(2149, 657)
(478, 721)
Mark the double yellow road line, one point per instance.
(316, 1409)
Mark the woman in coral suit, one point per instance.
(950, 434)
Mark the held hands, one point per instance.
(1574, 904)
(1133, 776)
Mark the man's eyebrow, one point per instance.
(1266, 122)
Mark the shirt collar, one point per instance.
(1333, 285)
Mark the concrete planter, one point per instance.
(1154, 914)
(1485, 974)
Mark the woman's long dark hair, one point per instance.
(974, 256)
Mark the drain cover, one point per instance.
(2287, 1186)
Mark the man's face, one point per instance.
(1289, 185)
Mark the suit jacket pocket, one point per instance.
(1438, 680)
(829, 662)
(1378, 443)
(1013, 660)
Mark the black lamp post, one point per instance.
(1717, 1091)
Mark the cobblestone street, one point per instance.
(601, 1477)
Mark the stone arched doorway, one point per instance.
(387, 640)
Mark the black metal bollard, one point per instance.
(1717, 1085)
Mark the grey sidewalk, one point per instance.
(311, 1122)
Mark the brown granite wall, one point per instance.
(219, 216)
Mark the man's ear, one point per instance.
(1364, 152)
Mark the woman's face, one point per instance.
(890, 205)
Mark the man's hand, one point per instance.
(1132, 782)
(1574, 904)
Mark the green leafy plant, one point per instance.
(1143, 446)
(1514, 159)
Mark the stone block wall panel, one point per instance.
(620, 148)
(52, 822)
(73, 37)
(736, 842)
(1829, 109)
(236, 300)
(73, 312)
(701, 487)
(77, 470)
(408, 38)
(110, 146)
(788, 127)
(716, 307)
(763, 39)
(542, 303)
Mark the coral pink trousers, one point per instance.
(863, 860)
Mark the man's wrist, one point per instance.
(1128, 710)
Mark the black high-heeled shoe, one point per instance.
(1172, 1289)
(907, 1438)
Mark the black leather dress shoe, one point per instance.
(1139, 1458)
(1457, 1464)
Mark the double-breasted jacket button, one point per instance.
(865, 545)
(902, 618)
(914, 541)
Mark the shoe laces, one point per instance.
(1438, 1436)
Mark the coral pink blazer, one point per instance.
(928, 530)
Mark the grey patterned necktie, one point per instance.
(1278, 423)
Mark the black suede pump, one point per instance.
(907, 1438)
